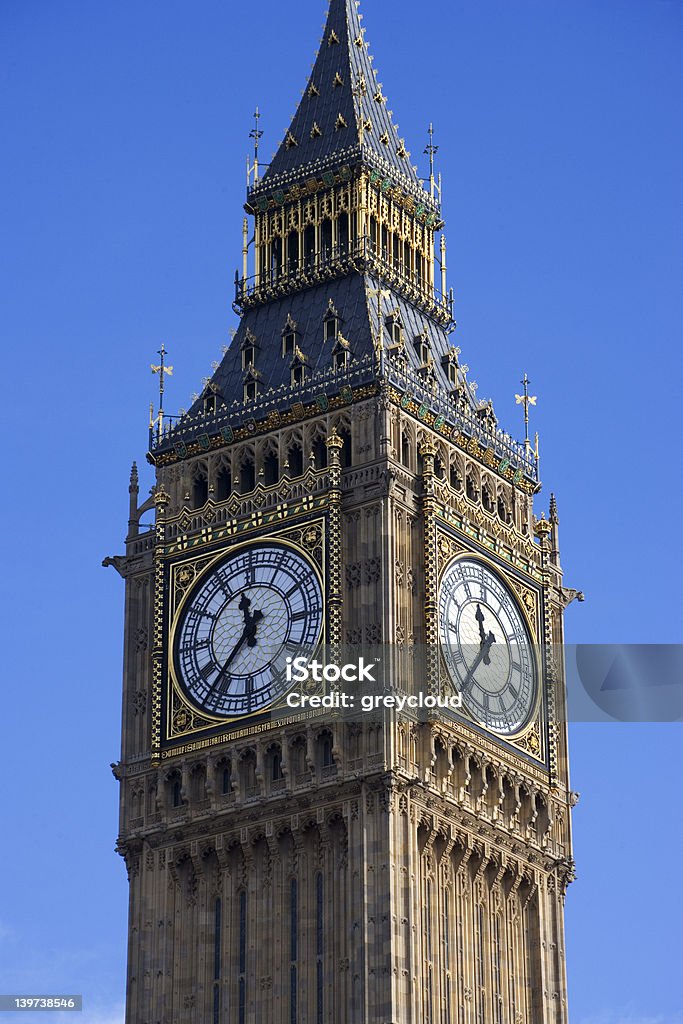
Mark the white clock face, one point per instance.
(260, 605)
(487, 647)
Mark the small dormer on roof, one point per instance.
(332, 322)
(424, 349)
(299, 358)
(394, 325)
(210, 397)
(298, 367)
(249, 347)
(289, 335)
(341, 352)
(250, 384)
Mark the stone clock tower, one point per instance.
(337, 486)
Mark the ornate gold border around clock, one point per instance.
(527, 598)
(182, 719)
(530, 737)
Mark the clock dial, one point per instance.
(487, 647)
(246, 615)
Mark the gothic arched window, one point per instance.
(223, 483)
(343, 232)
(320, 453)
(292, 251)
(319, 947)
(217, 915)
(242, 999)
(271, 469)
(295, 458)
(247, 476)
(293, 949)
(200, 487)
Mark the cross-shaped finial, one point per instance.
(256, 134)
(526, 400)
(431, 150)
(163, 371)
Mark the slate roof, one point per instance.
(353, 299)
(326, 122)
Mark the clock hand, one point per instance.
(250, 619)
(473, 668)
(483, 655)
(490, 639)
(486, 639)
(479, 616)
(247, 636)
(235, 651)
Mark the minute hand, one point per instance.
(482, 654)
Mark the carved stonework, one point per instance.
(276, 852)
(531, 741)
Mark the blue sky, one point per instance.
(124, 128)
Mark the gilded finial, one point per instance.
(542, 528)
(334, 441)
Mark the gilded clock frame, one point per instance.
(532, 738)
(182, 722)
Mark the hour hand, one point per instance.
(486, 647)
(479, 616)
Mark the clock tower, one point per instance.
(337, 493)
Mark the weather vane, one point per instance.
(431, 151)
(255, 134)
(526, 400)
(163, 371)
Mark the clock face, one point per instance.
(487, 647)
(258, 606)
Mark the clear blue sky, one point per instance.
(124, 136)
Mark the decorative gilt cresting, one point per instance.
(334, 446)
(161, 500)
(428, 453)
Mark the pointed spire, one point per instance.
(342, 110)
(554, 520)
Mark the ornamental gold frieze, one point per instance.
(232, 735)
(254, 521)
(462, 524)
(470, 445)
(252, 427)
(422, 207)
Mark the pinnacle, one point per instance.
(339, 115)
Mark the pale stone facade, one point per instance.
(326, 870)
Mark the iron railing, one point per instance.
(361, 255)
